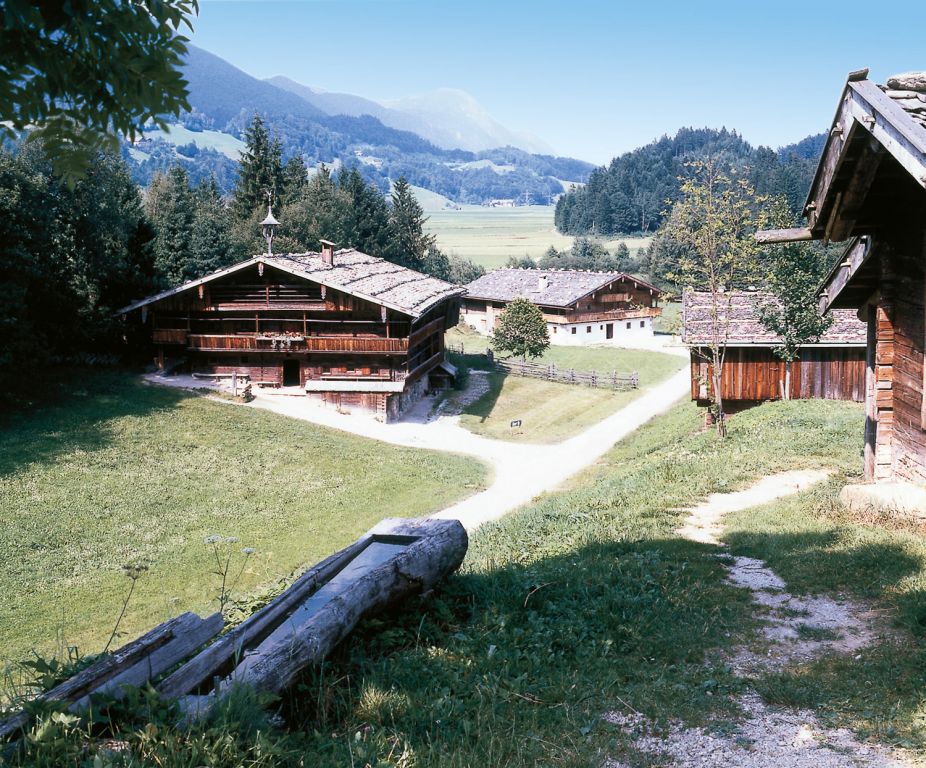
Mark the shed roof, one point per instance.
(353, 272)
(741, 307)
(564, 287)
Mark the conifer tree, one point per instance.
(410, 243)
(209, 245)
(365, 222)
(295, 180)
(317, 214)
(169, 206)
(260, 171)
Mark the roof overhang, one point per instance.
(868, 127)
(615, 277)
(854, 277)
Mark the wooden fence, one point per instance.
(550, 372)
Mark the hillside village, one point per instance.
(309, 460)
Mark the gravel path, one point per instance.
(797, 629)
(520, 471)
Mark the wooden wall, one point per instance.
(755, 374)
(899, 450)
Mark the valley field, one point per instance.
(489, 236)
(111, 471)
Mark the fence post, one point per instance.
(595, 379)
(634, 379)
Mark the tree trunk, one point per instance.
(786, 395)
(716, 379)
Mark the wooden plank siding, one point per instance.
(252, 343)
(755, 374)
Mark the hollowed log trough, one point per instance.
(393, 561)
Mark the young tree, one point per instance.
(716, 217)
(436, 263)
(794, 275)
(260, 172)
(521, 330)
(410, 244)
(463, 270)
(86, 73)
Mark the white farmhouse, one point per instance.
(579, 307)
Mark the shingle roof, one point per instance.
(353, 272)
(563, 287)
(744, 326)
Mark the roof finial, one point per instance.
(269, 223)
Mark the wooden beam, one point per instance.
(857, 253)
(793, 235)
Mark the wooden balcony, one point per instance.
(170, 336)
(331, 344)
(610, 316)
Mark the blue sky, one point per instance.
(592, 79)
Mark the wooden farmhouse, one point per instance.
(832, 368)
(870, 190)
(350, 329)
(579, 307)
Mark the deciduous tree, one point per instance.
(521, 330)
(86, 73)
(716, 217)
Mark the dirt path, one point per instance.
(520, 471)
(796, 629)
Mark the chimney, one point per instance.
(542, 282)
(327, 252)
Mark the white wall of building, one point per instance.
(580, 334)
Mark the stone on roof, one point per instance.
(909, 91)
(353, 272)
(548, 287)
(744, 327)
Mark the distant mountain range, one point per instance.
(383, 141)
(448, 118)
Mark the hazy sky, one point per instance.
(592, 79)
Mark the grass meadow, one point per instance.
(111, 471)
(586, 601)
(550, 411)
(489, 236)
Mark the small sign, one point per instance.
(516, 423)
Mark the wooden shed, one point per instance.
(870, 190)
(831, 368)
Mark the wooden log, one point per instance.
(426, 552)
(131, 658)
(231, 647)
(794, 235)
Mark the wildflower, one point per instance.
(213, 539)
(248, 551)
(231, 539)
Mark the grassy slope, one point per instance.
(489, 236)
(582, 602)
(586, 601)
(550, 411)
(121, 471)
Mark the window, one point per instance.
(643, 323)
(600, 327)
(573, 329)
(588, 329)
(555, 329)
(628, 325)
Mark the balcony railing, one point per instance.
(608, 316)
(267, 343)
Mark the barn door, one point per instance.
(609, 331)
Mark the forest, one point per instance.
(635, 191)
(75, 253)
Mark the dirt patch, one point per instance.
(796, 629)
(454, 404)
(761, 738)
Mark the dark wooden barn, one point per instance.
(832, 368)
(870, 190)
(345, 327)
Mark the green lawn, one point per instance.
(116, 471)
(489, 236)
(586, 601)
(550, 411)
